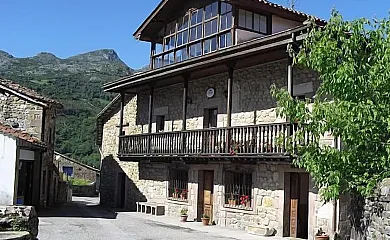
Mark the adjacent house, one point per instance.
(69, 167)
(199, 130)
(20, 161)
(24, 110)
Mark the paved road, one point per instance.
(83, 219)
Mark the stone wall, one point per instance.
(252, 101)
(19, 218)
(80, 171)
(21, 114)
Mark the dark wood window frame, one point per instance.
(238, 189)
(268, 23)
(160, 60)
(178, 184)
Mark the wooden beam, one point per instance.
(150, 109)
(185, 102)
(229, 96)
(121, 114)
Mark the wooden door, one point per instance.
(299, 207)
(208, 194)
(120, 192)
(294, 203)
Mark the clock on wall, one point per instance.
(210, 92)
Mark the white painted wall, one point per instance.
(280, 24)
(7, 169)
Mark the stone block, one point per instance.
(262, 231)
(267, 202)
(19, 218)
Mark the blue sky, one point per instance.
(69, 27)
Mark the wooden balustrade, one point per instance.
(233, 141)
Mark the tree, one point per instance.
(352, 59)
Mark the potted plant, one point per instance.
(183, 215)
(205, 219)
(244, 201)
(321, 235)
(183, 194)
(176, 193)
(232, 201)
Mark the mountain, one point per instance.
(77, 83)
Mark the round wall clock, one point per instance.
(210, 92)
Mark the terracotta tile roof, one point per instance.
(28, 92)
(6, 130)
(281, 7)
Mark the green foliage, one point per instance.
(352, 59)
(77, 83)
(184, 211)
(79, 182)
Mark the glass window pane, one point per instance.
(248, 20)
(226, 21)
(159, 48)
(210, 27)
(179, 40)
(169, 43)
(225, 40)
(241, 18)
(195, 50)
(183, 23)
(196, 17)
(256, 22)
(181, 55)
(225, 7)
(211, 10)
(185, 36)
(195, 33)
(169, 58)
(210, 45)
(157, 62)
(263, 24)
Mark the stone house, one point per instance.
(25, 110)
(20, 161)
(73, 168)
(199, 130)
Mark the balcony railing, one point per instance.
(267, 139)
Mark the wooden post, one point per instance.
(229, 97)
(185, 98)
(150, 110)
(121, 114)
(229, 107)
(290, 78)
(152, 53)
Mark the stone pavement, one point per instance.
(83, 219)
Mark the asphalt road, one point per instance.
(83, 219)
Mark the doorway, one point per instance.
(210, 118)
(120, 191)
(25, 183)
(205, 194)
(296, 207)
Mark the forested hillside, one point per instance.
(77, 83)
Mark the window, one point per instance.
(160, 123)
(238, 189)
(225, 40)
(178, 184)
(181, 55)
(210, 45)
(195, 50)
(197, 32)
(252, 21)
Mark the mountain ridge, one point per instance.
(77, 83)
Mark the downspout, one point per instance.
(335, 205)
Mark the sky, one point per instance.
(69, 27)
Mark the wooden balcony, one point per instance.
(268, 140)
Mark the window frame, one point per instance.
(178, 188)
(160, 123)
(199, 25)
(268, 24)
(237, 200)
